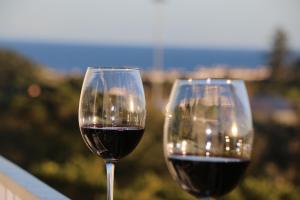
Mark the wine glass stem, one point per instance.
(110, 168)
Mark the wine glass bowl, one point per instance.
(208, 135)
(112, 112)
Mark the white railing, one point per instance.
(17, 184)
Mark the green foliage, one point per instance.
(41, 134)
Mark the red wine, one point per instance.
(207, 176)
(111, 143)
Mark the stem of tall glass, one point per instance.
(110, 169)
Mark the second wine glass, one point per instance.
(112, 112)
(208, 135)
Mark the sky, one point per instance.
(184, 23)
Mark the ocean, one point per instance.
(77, 57)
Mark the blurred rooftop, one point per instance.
(17, 184)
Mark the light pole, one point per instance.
(158, 53)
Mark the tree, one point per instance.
(278, 56)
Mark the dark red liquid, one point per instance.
(207, 176)
(111, 143)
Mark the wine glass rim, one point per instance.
(113, 68)
(210, 80)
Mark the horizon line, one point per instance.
(128, 44)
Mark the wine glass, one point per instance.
(208, 135)
(112, 112)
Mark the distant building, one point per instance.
(202, 72)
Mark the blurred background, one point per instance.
(45, 47)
